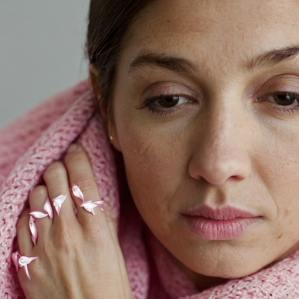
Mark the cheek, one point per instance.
(156, 163)
(276, 163)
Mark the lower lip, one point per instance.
(210, 229)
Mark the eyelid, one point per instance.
(187, 100)
(150, 101)
(283, 83)
(168, 88)
(284, 89)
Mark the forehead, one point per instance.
(226, 30)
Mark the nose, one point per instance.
(220, 145)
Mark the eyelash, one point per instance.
(281, 109)
(148, 103)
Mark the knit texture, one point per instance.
(41, 136)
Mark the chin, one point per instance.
(230, 274)
(223, 262)
(227, 270)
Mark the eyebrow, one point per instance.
(182, 65)
(176, 64)
(273, 57)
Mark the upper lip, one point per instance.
(219, 213)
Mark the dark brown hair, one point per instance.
(109, 20)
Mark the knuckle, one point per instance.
(54, 170)
(75, 157)
(85, 183)
(38, 193)
(37, 274)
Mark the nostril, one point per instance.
(216, 171)
(235, 177)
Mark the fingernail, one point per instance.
(33, 230)
(48, 208)
(57, 202)
(77, 192)
(74, 148)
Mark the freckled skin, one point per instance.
(222, 149)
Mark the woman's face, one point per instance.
(226, 141)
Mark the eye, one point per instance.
(283, 102)
(163, 104)
(168, 101)
(284, 98)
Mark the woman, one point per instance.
(200, 102)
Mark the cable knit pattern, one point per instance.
(41, 136)
(20, 134)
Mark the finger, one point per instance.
(56, 179)
(23, 234)
(80, 174)
(38, 199)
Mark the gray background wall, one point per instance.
(41, 51)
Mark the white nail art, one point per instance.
(77, 192)
(24, 261)
(33, 230)
(48, 208)
(15, 258)
(38, 215)
(90, 205)
(57, 202)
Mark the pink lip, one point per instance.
(220, 224)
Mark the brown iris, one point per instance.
(168, 101)
(284, 98)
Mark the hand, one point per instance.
(77, 256)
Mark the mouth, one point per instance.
(222, 223)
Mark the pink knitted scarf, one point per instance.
(40, 137)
